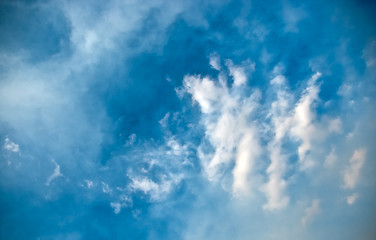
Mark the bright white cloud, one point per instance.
(238, 72)
(204, 92)
(248, 151)
(352, 171)
(234, 138)
(232, 132)
(311, 212)
(304, 128)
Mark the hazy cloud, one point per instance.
(311, 212)
(352, 171)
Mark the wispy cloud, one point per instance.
(311, 212)
(280, 120)
(167, 117)
(11, 146)
(226, 126)
(215, 61)
(352, 171)
(331, 158)
(55, 174)
(156, 191)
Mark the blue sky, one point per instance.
(187, 119)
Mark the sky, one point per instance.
(215, 120)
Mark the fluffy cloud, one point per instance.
(232, 129)
(226, 115)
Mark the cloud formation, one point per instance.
(55, 174)
(187, 120)
(233, 137)
(352, 171)
(11, 146)
(311, 212)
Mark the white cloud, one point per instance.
(299, 122)
(164, 120)
(304, 128)
(215, 61)
(11, 146)
(311, 212)
(275, 188)
(55, 174)
(116, 206)
(352, 198)
(278, 80)
(280, 121)
(179, 92)
(232, 133)
(248, 150)
(352, 171)
(131, 139)
(226, 114)
(106, 188)
(89, 183)
(204, 92)
(176, 148)
(144, 184)
(123, 202)
(239, 73)
(156, 191)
